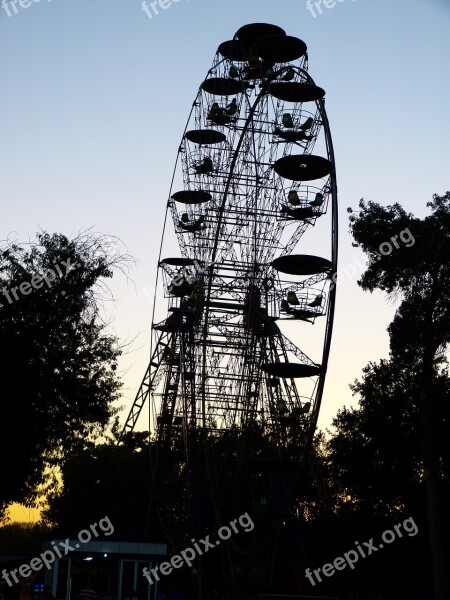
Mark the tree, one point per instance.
(23, 538)
(57, 363)
(374, 467)
(374, 453)
(104, 480)
(409, 260)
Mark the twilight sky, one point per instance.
(95, 96)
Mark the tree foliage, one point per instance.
(419, 273)
(104, 480)
(23, 538)
(392, 452)
(57, 361)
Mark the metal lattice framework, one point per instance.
(248, 195)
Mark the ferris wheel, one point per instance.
(253, 197)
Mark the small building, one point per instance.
(112, 568)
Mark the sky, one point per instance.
(95, 97)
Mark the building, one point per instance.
(113, 568)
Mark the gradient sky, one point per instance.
(95, 96)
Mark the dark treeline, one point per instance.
(385, 463)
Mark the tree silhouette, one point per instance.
(104, 480)
(409, 261)
(57, 363)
